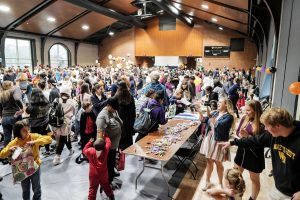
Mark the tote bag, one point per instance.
(24, 165)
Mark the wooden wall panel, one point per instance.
(184, 41)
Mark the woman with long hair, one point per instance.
(127, 114)
(219, 128)
(98, 98)
(11, 108)
(251, 159)
(38, 109)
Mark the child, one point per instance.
(88, 128)
(234, 185)
(63, 133)
(97, 155)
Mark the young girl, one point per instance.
(63, 133)
(234, 185)
(22, 138)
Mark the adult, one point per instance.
(38, 109)
(132, 86)
(98, 99)
(54, 91)
(42, 86)
(282, 136)
(192, 88)
(218, 88)
(22, 138)
(211, 95)
(109, 123)
(156, 86)
(127, 114)
(11, 108)
(251, 159)
(207, 81)
(114, 86)
(233, 94)
(157, 114)
(219, 128)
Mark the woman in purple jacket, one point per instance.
(157, 114)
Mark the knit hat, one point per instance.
(66, 90)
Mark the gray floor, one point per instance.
(69, 181)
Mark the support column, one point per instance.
(2, 48)
(76, 52)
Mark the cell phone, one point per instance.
(206, 103)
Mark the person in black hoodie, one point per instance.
(98, 99)
(283, 137)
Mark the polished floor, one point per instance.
(69, 181)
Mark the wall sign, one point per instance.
(217, 51)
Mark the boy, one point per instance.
(97, 155)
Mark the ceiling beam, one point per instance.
(84, 13)
(234, 20)
(226, 5)
(29, 14)
(108, 12)
(173, 11)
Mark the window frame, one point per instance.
(68, 53)
(32, 50)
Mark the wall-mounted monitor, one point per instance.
(217, 51)
(237, 44)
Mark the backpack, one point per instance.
(89, 126)
(56, 114)
(143, 122)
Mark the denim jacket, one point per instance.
(222, 127)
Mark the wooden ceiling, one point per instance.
(39, 23)
(70, 17)
(17, 9)
(226, 16)
(95, 22)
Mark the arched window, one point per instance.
(59, 56)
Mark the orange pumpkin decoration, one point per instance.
(268, 71)
(294, 88)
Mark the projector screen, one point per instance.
(166, 60)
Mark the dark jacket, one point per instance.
(285, 153)
(158, 114)
(114, 88)
(98, 104)
(233, 91)
(222, 127)
(127, 114)
(38, 109)
(213, 96)
(83, 119)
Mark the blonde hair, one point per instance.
(256, 106)
(277, 116)
(230, 110)
(235, 179)
(6, 92)
(126, 80)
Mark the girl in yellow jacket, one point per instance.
(22, 138)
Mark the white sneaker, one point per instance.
(206, 186)
(71, 152)
(57, 160)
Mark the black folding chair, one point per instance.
(185, 153)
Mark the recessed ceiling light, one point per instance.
(204, 6)
(111, 33)
(4, 8)
(51, 19)
(220, 28)
(214, 19)
(85, 27)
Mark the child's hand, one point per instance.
(92, 140)
(30, 143)
(12, 149)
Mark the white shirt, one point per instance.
(207, 81)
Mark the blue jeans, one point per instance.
(36, 186)
(7, 124)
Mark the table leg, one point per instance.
(165, 179)
(136, 180)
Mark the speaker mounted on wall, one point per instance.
(237, 44)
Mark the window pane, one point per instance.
(58, 56)
(24, 49)
(10, 48)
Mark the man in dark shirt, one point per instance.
(54, 92)
(282, 136)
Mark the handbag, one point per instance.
(120, 160)
(24, 165)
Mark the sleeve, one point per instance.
(258, 141)
(98, 105)
(86, 149)
(162, 117)
(101, 124)
(41, 139)
(17, 94)
(6, 151)
(1, 109)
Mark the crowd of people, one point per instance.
(97, 107)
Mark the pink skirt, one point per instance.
(212, 150)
